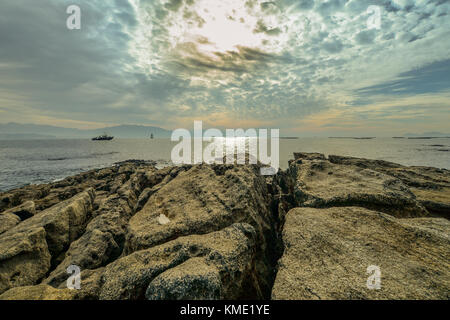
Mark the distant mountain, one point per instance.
(35, 131)
(428, 134)
(24, 136)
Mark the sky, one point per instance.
(306, 67)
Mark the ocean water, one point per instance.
(42, 161)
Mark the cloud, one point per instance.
(167, 62)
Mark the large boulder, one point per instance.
(28, 250)
(218, 265)
(24, 258)
(11, 217)
(431, 186)
(203, 199)
(63, 223)
(23, 211)
(101, 244)
(8, 221)
(327, 253)
(320, 183)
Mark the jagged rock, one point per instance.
(191, 280)
(24, 211)
(100, 244)
(229, 253)
(39, 292)
(214, 232)
(320, 183)
(199, 201)
(327, 253)
(309, 156)
(204, 199)
(431, 186)
(63, 222)
(8, 221)
(24, 258)
(90, 282)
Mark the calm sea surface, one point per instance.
(41, 161)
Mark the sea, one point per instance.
(24, 162)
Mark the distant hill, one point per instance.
(13, 130)
(428, 134)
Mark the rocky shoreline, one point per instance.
(226, 232)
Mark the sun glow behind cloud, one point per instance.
(222, 27)
(282, 63)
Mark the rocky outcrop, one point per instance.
(327, 253)
(431, 186)
(11, 217)
(226, 268)
(320, 183)
(24, 258)
(203, 199)
(8, 221)
(45, 235)
(227, 232)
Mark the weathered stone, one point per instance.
(24, 211)
(191, 280)
(204, 199)
(24, 258)
(228, 255)
(327, 253)
(200, 201)
(100, 244)
(320, 184)
(8, 221)
(431, 186)
(214, 232)
(63, 222)
(39, 292)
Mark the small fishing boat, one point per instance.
(103, 137)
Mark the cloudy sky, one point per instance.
(307, 67)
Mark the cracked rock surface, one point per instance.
(226, 232)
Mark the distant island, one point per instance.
(357, 138)
(17, 131)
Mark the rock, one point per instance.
(205, 199)
(191, 280)
(91, 281)
(327, 253)
(24, 258)
(308, 156)
(225, 257)
(100, 244)
(8, 221)
(431, 186)
(24, 211)
(218, 232)
(16, 197)
(63, 222)
(321, 183)
(199, 201)
(39, 292)
(11, 217)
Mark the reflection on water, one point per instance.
(39, 161)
